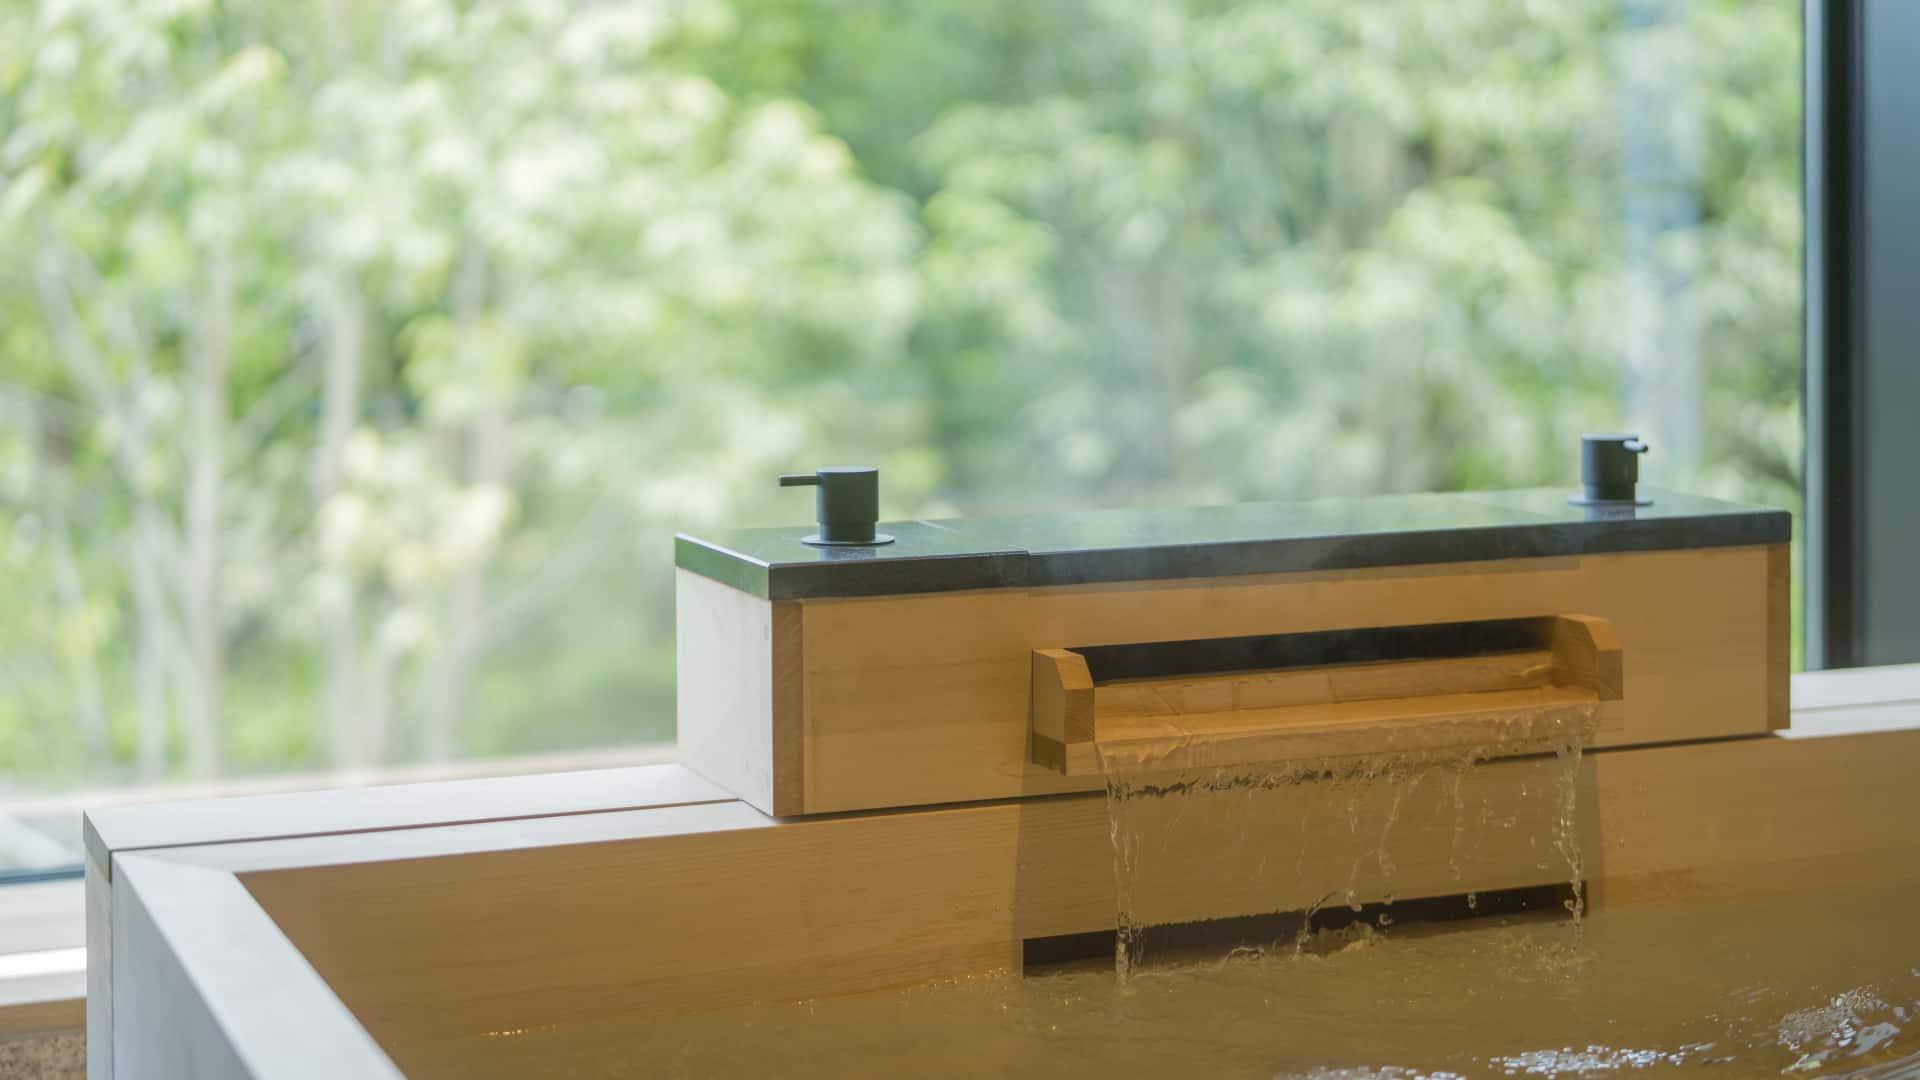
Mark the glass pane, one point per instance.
(358, 359)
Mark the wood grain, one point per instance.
(917, 700)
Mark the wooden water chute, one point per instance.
(1495, 688)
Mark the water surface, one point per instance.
(1814, 982)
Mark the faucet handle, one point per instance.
(847, 505)
(1610, 468)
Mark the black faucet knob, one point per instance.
(847, 504)
(1610, 469)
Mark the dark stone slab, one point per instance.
(1218, 541)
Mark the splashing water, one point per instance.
(1566, 835)
(1258, 819)
(1126, 846)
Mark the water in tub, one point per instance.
(1805, 981)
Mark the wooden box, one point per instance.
(816, 680)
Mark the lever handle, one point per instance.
(1610, 469)
(847, 505)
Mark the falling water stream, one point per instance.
(1269, 822)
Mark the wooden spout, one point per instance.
(1519, 699)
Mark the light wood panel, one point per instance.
(922, 699)
(915, 700)
(99, 970)
(1586, 652)
(140, 826)
(208, 988)
(1063, 712)
(738, 664)
(680, 918)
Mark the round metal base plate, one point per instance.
(1580, 500)
(878, 538)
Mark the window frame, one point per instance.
(1859, 392)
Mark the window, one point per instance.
(358, 359)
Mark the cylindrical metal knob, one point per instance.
(1610, 468)
(846, 504)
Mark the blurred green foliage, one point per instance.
(358, 359)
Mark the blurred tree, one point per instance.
(358, 359)
(325, 348)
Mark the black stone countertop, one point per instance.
(1217, 541)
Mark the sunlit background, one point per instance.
(359, 358)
